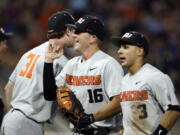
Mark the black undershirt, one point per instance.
(49, 84)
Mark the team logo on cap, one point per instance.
(127, 35)
(81, 20)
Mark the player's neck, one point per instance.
(135, 67)
(89, 52)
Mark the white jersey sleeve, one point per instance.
(163, 90)
(58, 65)
(113, 75)
(61, 78)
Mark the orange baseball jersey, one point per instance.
(28, 79)
(93, 81)
(143, 97)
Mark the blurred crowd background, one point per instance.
(159, 20)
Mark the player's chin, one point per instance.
(68, 45)
(123, 63)
(76, 47)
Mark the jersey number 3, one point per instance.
(143, 111)
(32, 59)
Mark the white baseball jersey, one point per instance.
(141, 96)
(28, 84)
(93, 81)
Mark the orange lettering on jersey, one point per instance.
(72, 80)
(29, 65)
(83, 80)
(30, 56)
(123, 96)
(97, 80)
(90, 80)
(134, 95)
(29, 74)
(144, 95)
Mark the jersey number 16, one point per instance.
(95, 96)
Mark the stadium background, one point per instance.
(159, 20)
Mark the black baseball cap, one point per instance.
(132, 38)
(89, 24)
(57, 22)
(4, 35)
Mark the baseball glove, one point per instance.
(68, 102)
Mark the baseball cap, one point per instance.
(133, 38)
(4, 35)
(57, 22)
(89, 24)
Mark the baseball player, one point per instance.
(147, 97)
(24, 90)
(94, 76)
(3, 47)
(4, 36)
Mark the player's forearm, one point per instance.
(109, 110)
(169, 119)
(120, 132)
(8, 94)
(49, 84)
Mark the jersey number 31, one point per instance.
(32, 59)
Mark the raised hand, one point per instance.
(53, 52)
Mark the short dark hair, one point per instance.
(55, 35)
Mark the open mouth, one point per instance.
(122, 59)
(76, 43)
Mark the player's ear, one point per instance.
(140, 51)
(67, 32)
(93, 39)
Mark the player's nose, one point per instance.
(120, 50)
(74, 35)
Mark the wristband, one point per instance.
(160, 130)
(92, 119)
